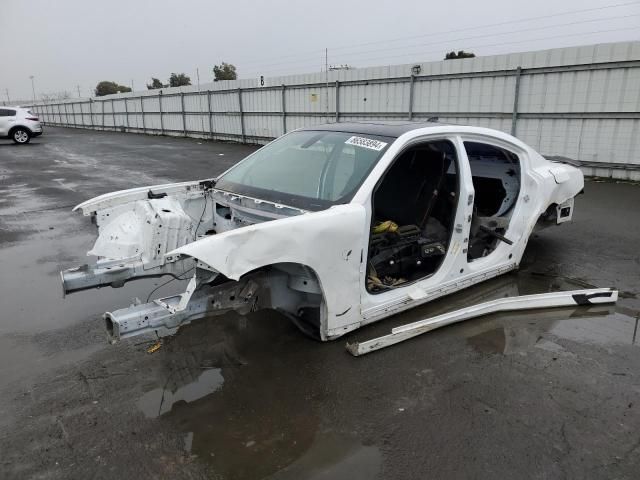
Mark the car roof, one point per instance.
(384, 128)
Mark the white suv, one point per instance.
(19, 124)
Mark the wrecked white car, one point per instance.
(335, 226)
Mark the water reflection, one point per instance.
(249, 414)
(333, 457)
(161, 400)
(518, 332)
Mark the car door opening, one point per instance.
(414, 207)
(496, 180)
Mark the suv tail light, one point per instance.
(35, 119)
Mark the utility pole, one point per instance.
(132, 89)
(33, 88)
(7, 92)
(78, 86)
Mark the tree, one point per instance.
(109, 88)
(460, 54)
(179, 80)
(155, 84)
(225, 71)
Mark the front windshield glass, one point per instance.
(307, 169)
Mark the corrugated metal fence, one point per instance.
(581, 103)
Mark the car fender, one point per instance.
(330, 242)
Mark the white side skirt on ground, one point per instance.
(525, 302)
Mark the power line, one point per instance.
(422, 53)
(521, 41)
(504, 33)
(509, 22)
(468, 38)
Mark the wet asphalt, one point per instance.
(539, 394)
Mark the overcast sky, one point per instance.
(66, 43)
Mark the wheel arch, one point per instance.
(22, 127)
(296, 290)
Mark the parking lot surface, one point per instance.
(539, 394)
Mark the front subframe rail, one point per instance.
(524, 302)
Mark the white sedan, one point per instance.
(336, 226)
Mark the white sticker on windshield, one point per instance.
(369, 143)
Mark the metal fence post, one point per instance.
(113, 114)
(516, 94)
(91, 113)
(102, 112)
(144, 128)
(126, 113)
(337, 101)
(184, 115)
(160, 108)
(284, 110)
(411, 86)
(210, 114)
(242, 135)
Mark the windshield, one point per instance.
(307, 169)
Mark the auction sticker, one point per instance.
(369, 143)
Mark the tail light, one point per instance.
(35, 119)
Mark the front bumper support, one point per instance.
(165, 315)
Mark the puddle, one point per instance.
(266, 417)
(614, 329)
(333, 457)
(37, 263)
(161, 400)
(491, 341)
(520, 332)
